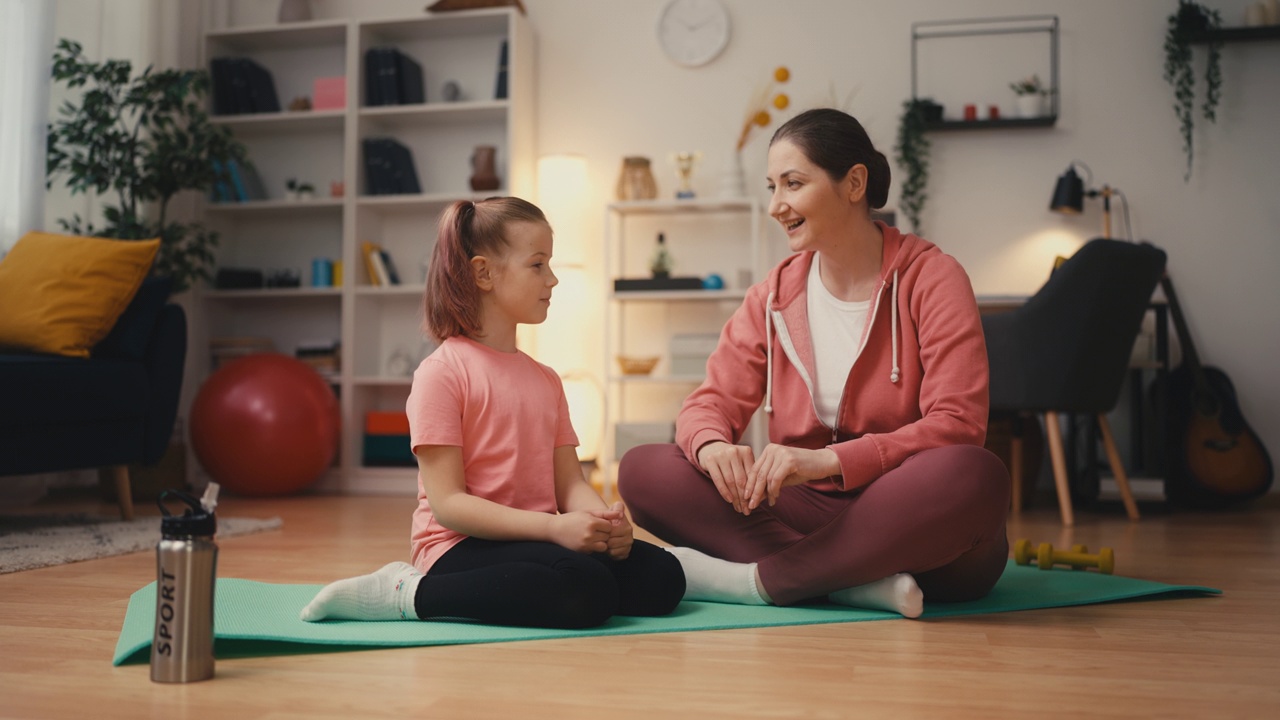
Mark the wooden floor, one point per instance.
(1187, 657)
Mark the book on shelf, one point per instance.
(245, 181)
(221, 190)
(223, 350)
(380, 267)
(389, 168)
(392, 275)
(500, 86)
(409, 80)
(369, 250)
(392, 78)
(322, 356)
(242, 86)
(378, 264)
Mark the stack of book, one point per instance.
(223, 350)
(236, 183)
(386, 439)
(241, 86)
(322, 356)
(392, 78)
(388, 168)
(378, 265)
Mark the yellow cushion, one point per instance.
(61, 294)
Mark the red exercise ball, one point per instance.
(265, 425)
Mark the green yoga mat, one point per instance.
(257, 619)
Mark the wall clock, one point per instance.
(693, 32)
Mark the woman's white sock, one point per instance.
(384, 595)
(715, 580)
(896, 593)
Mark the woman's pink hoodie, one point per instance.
(920, 381)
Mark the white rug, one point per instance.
(33, 541)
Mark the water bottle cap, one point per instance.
(195, 521)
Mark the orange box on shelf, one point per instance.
(386, 422)
(329, 93)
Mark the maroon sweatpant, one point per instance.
(939, 516)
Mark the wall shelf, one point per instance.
(1240, 34)
(989, 27)
(1046, 121)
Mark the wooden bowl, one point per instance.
(637, 365)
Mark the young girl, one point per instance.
(507, 531)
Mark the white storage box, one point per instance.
(629, 435)
(689, 353)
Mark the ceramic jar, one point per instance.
(636, 181)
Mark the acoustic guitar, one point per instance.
(1215, 459)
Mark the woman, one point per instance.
(866, 349)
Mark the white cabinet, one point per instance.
(376, 325)
(724, 237)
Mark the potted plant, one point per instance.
(1031, 94)
(294, 190)
(912, 155)
(143, 139)
(1186, 25)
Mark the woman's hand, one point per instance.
(620, 533)
(729, 466)
(582, 531)
(780, 466)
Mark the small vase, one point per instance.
(1030, 106)
(294, 11)
(635, 181)
(733, 180)
(483, 165)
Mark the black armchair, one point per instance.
(111, 409)
(1067, 350)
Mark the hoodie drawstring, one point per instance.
(893, 327)
(768, 352)
(894, 376)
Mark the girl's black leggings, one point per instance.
(541, 584)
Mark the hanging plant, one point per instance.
(1191, 21)
(912, 155)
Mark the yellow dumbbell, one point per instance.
(1078, 557)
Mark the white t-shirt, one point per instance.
(836, 328)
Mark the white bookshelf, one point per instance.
(322, 146)
(705, 236)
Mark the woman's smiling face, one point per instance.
(803, 198)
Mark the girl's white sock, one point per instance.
(715, 580)
(384, 595)
(896, 593)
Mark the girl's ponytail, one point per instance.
(451, 303)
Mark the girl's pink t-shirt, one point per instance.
(506, 411)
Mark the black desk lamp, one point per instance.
(1070, 192)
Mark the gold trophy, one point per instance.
(684, 169)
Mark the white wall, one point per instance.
(605, 91)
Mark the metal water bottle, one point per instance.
(186, 568)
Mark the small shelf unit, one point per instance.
(926, 30)
(711, 231)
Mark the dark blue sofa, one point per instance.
(112, 409)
